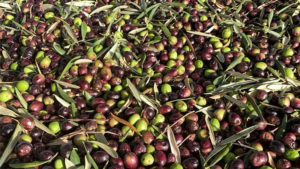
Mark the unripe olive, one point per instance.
(134, 118)
(6, 96)
(147, 159)
(166, 89)
(22, 85)
(55, 127)
(141, 125)
(227, 33)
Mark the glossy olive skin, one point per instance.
(131, 160)
(237, 164)
(259, 159)
(100, 157)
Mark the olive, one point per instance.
(46, 155)
(237, 164)
(27, 123)
(259, 159)
(160, 158)
(6, 96)
(131, 160)
(166, 88)
(55, 127)
(22, 86)
(291, 154)
(176, 166)
(59, 164)
(190, 163)
(100, 157)
(24, 149)
(147, 159)
(283, 164)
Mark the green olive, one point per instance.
(229, 157)
(166, 89)
(176, 166)
(292, 155)
(147, 159)
(78, 21)
(215, 124)
(39, 56)
(54, 127)
(173, 40)
(289, 73)
(202, 134)
(210, 88)
(288, 52)
(49, 15)
(134, 118)
(14, 66)
(150, 148)
(201, 101)
(181, 70)
(261, 65)
(227, 33)
(45, 62)
(59, 164)
(199, 64)
(181, 106)
(220, 114)
(159, 118)
(173, 55)
(22, 86)
(127, 131)
(6, 96)
(141, 125)
(26, 138)
(29, 69)
(265, 167)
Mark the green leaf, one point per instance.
(235, 62)
(215, 151)
(235, 101)
(270, 18)
(203, 34)
(58, 48)
(67, 85)
(52, 27)
(70, 32)
(255, 106)
(166, 31)
(148, 101)
(111, 51)
(220, 155)
(91, 160)
(11, 144)
(210, 130)
(74, 110)
(280, 68)
(100, 9)
(69, 164)
(87, 164)
(101, 138)
(6, 112)
(21, 99)
(62, 101)
(106, 148)
(87, 96)
(67, 67)
(241, 6)
(282, 127)
(84, 28)
(32, 164)
(64, 95)
(153, 11)
(74, 157)
(246, 41)
(134, 90)
(173, 145)
(238, 135)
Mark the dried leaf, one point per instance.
(11, 144)
(32, 164)
(148, 101)
(5, 5)
(67, 85)
(52, 27)
(21, 99)
(173, 145)
(106, 148)
(126, 123)
(87, 164)
(91, 160)
(271, 161)
(135, 31)
(111, 51)
(235, 101)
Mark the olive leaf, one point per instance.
(70, 32)
(148, 101)
(32, 164)
(58, 48)
(91, 160)
(134, 90)
(6, 112)
(203, 34)
(255, 106)
(11, 144)
(74, 157)
(210, 130)
(61, 101)
(173, 145)
(82, 61)
(84, 29)
(106, 148)
(235, 62)
(100, 9)
(21, 98)
(135, 31)
(67, 67)
(87, 164)
(235, 101)
(125, 123)
(246, 41)
(220, 155)
(69, 164)
(111, 51)
(81, 3)
(67, 85)
(64, 95)
(282, 127)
